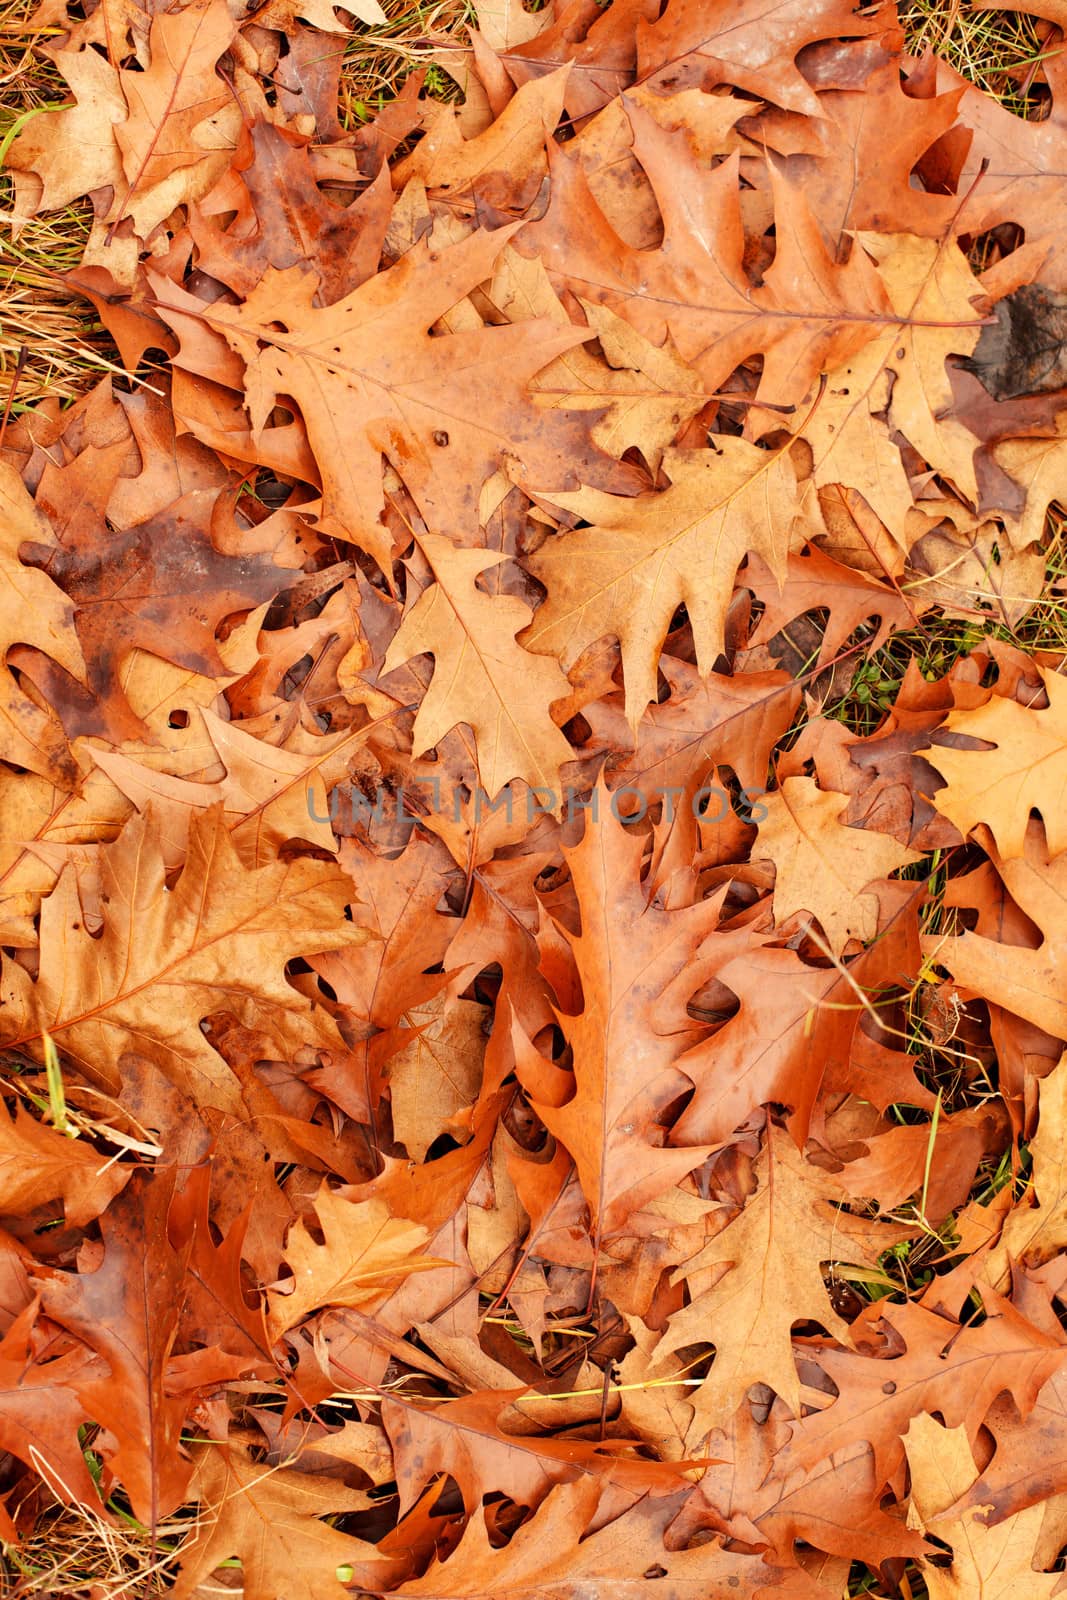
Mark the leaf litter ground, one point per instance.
(531, 875)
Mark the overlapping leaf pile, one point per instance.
(515, 1043)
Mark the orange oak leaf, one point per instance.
(41, 1412)
(482, 676)
(168, 958)
(770, 1262)
(365, 1252)
(35, 612)
(631, 959)
(628, 573)
(127, 1310)
(38, 1164)
(565, 1553)
(182, 120)
(271, 1519)
(1026, 980)
(445, 411)
(994, 1561)
(268, 796)
(466, 1438)
(753, 44)
(810, 312)
(1024, 771)
(823, 867)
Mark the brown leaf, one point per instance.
(1023, 772)
(35, 612)
(270, 1518)
(161, 586)
(127, 1310)
(41, 1411)
(268, 796)
(927, 1364)
(167, 959)
(366, 1250)
(822, 867)
(986, 1560)
(752, 45)
(771, 1261)
(181, 121)
(482, 676)
(809, 313)
(1028, 981)
(436, 407)
(287, 218)
(631, 958)
(73, 151)
(465, 1438)
(437, 1074)
(643, 558)
(37, 1164)
(550, 1556)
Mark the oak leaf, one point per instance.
(216, 1311)
(270, 1518)
(166, 959)
(1038, 467)
(127, 1310)
(990, 1562)
(1029, 1465)
(925, 1363)
(1030, 982)
(810, 311)
(267, 796)
(1008, 171)
(641, 559)
(774, 1253)
(322, 14)
(513, 144)
(855, 165)
(444, 410)
(601, 44)
(1025, 771)
(161, 586)
(753, 45)
(1035, 1229)
(35, 612)
(397, 900)
(287, 218)
(366, 1251)
(436, 1074)
(182, 119)
(794, 1022)
(901, 373)
(823, 867)
(482, 676)
(566, 1553)
(72, 151)
(638, 393)
(38, 1164)
(973, 570)
(466, 1439)
(41, 1412)
(735, 720)
(815, 582)
(631, 958)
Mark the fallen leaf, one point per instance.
(628, 573)
(822, 867)
(364, 1253)
(271, 1519)
(169, 957)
